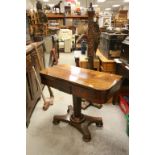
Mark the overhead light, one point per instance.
(51, 5)
(71, 1)
(126, 1)
(45, 0)
(95, 5)
(116, 5)
(101, 1)
(107, 9)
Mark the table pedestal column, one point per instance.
(78, 120)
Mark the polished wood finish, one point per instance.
(83, 63)
(80, 77)
(54, 15)
(106, 65)
(91, 85)
(32, 90)
(103, 58)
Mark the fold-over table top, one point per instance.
(88, 78)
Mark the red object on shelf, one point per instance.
(72, 1)
(124, 104)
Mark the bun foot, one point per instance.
(99, 124)
(56, 122)
(86, 138)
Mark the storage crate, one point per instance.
(124, 103)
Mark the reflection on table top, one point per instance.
(85, 77)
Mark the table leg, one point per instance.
(77, 62)
(115, 98)
(78, 120)
(50, 91)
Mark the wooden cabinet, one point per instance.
(106, 65)
(83, 63)
(32, 90)
(110, 44)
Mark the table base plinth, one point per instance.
(81, 122)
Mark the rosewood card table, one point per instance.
(91, 85)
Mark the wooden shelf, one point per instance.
(52, 15)
(77, 16)
(63, 20)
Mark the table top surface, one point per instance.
(85, 77)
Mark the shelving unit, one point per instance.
(63, 17)
(121, 18)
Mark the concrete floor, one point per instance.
(44, 138)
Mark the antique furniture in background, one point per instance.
(106, 65)
(91, 85)
(54, 52)
(65, 39)
(111, 43)
(93, 38)
(32, 90)
(123, 62)
(39, 5)
(61, 18)
(83, 62)
(122, 65)
(38, 24)
(125, 50)
(121, 18)
(93, 42)
(28, 36)
(68, 10)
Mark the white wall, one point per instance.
(30, 4)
